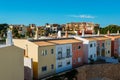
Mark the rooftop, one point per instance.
(56, 42)
(92, 38)
(113, 36)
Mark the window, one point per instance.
(44, 52)
(90, 45)
(68, 52)
(94, 44)
(91, 56)
(79, 47)
(108, 51)
(52, 66)
(103, 45)
(94, 55)
(79, 59)
(52, 51)
(67, 62)
(44, 68)
(59, 53)
(59, 64)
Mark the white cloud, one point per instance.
(83, 16)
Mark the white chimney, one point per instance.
(76, 33)
(98, 33)
(117, 31)
(108, 32)
(9, 38)
(83, 33)
(66, 34)
(36, 33)
(59, 34)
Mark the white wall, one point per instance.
(64, 66)
(92, 50)
(28, 68)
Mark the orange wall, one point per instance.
(76, 54)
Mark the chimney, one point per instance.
(9, 41)
(117, 31)
(93, 31)
(108, 32)
(66, 34)
(59, 34)
(36, 33)
(76, 33)
(98, 33)
(83, 33)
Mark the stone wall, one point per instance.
(97, 71)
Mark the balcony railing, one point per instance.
(60, 58)
(68, 56)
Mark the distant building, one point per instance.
(53, 27)
(22, 29)
(78, 26)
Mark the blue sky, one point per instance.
(40, 12)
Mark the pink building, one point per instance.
(77, 51)
(115, 44)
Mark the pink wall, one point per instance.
(77, 53)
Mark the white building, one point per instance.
(89, 48)
(63, 57)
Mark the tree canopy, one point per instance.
(112, 28)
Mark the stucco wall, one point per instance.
(64, 59)
(77, 53)
(11, 63)
(46, 60)
(108, 48)
(31, 50)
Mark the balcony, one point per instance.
(68, 56)
(60, 58)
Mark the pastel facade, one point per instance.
(11, 63)
(89, 48)
(103, 46)
(63, 57)
(50, 56)
(77, 51)
(78, 26)
(64, 54)
(43, 55)
(115, 44)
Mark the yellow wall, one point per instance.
(46, 61)
(32, 52)
(108, 47)
(11, 63)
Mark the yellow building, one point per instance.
(43, 55)
(103, 46)
(11, 63)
